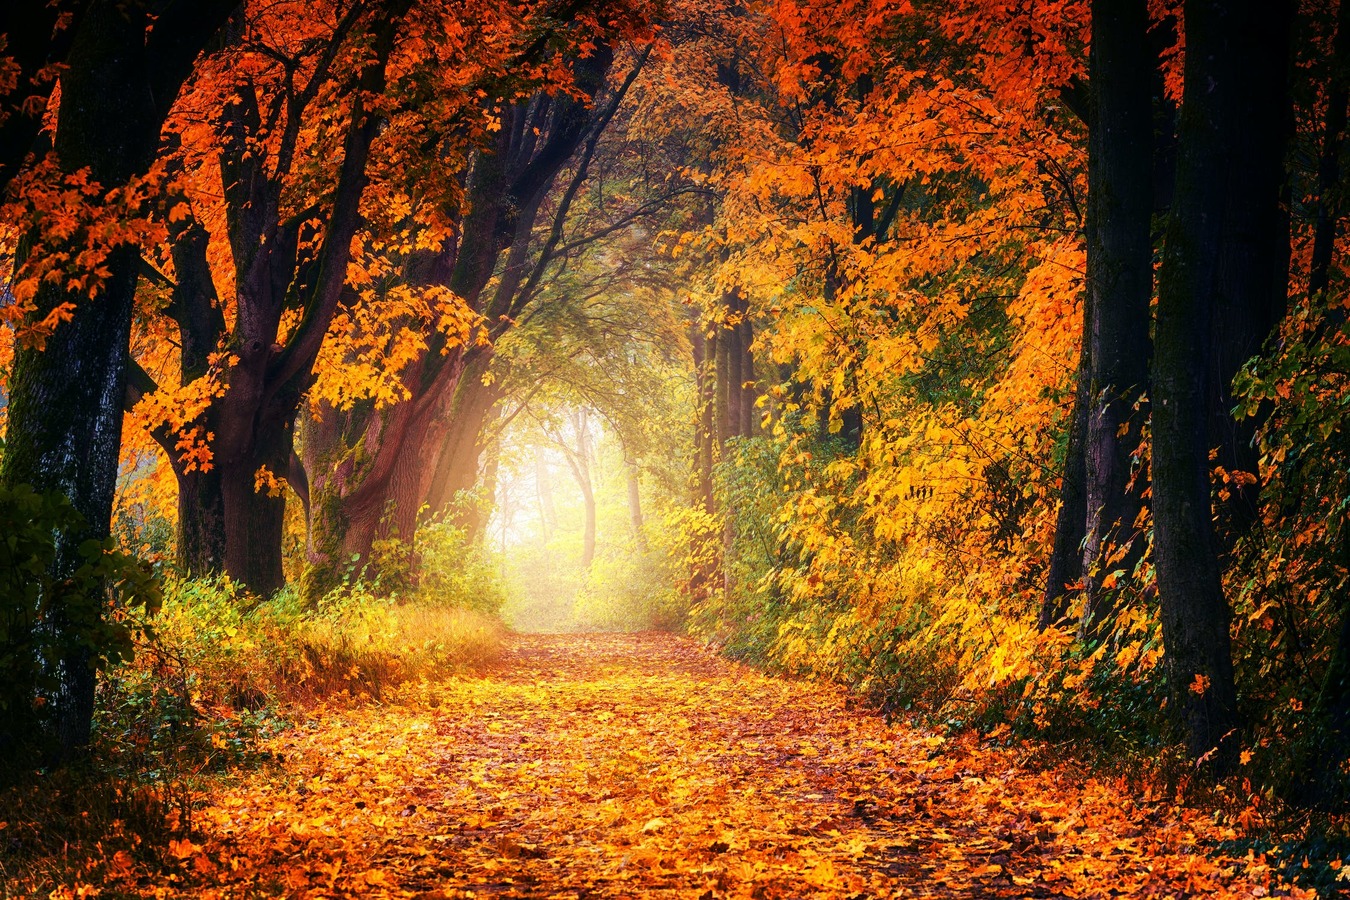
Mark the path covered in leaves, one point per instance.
(638, 765)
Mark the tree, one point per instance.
(1120, 280)
(123, 70)
(576, 447)
(424, 450)
(1252, 290)
(1065, 568)
(288, 261)
(1224, 41)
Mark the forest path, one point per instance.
(639, 765)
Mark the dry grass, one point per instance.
(381, 649)
(216, 650)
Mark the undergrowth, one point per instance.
(936, 624)
(216, 670)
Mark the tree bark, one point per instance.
(735, 368)
(749, 391)
(543, 484)
(254, 516)
(256, 414)
(1120, 280)
(1320, 767)
(579, 460)
(453, 463)
(201, 523)
(722, 386)
(1195, 615)
(65, 402)
(475, 531)
(706, 451)
(705, 354)
(456, 462)
(1329, 200)
(196, 307)
(1253, 267)
(1066, 556)
(633, 479)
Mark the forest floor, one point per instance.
(640, 765)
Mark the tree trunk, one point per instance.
(475, 530)
(196, 308)
(634, 481)
(201, 522)
(721, 385)
(543, 485)
(65, 401)
(453, 462)
(1329, 188)
(1320, 768)
(472, 458)
(1066, 557)
(1253, 268)
(1195, 616)
(254, 514)
(361, 473)
(1325, 785)
(579, 460)
(588, 532)
(735, 368)
(1320, 772)
(702, 571)
(749, 392)
(273, 269)
(64, 436)
(705, 425)
(1120, 279)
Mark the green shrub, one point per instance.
(454, 571)
(226, 650)
(629, 590)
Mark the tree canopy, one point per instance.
(987, 358)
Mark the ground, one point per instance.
(641, 765)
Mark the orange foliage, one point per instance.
(907, 226)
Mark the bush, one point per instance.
(628, 591)
(222, 649)
(455, 571)
(216, 666)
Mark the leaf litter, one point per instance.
(634, 765)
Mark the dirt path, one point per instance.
(637, 765)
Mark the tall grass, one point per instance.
(220, 648)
